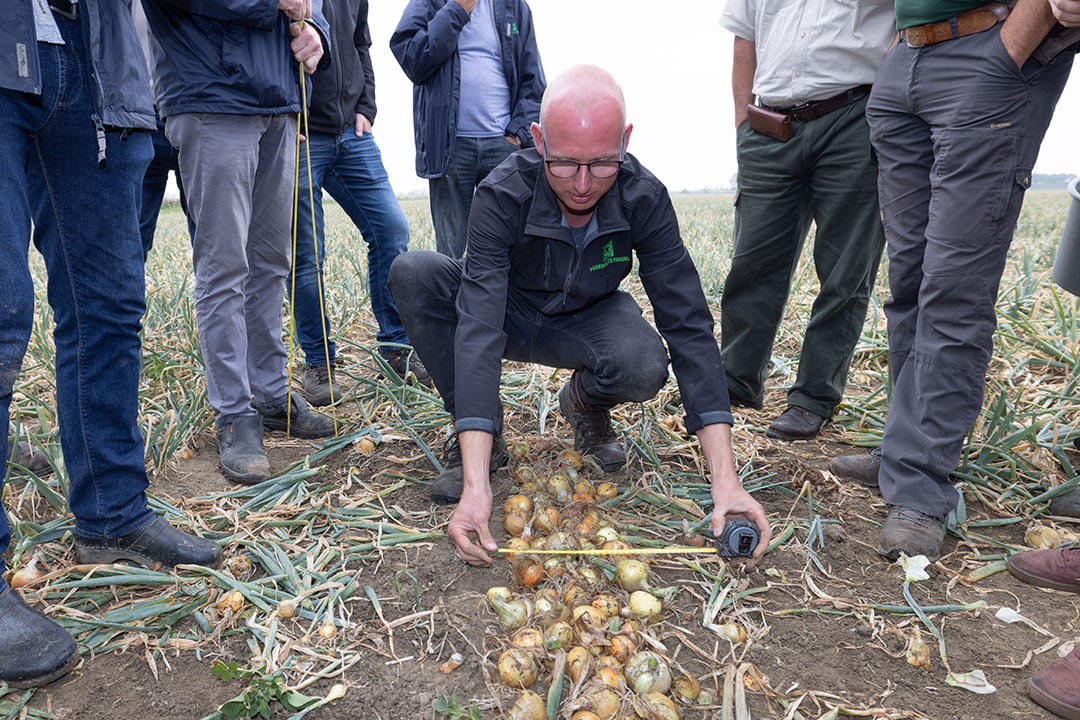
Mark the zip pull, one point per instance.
(100, 141)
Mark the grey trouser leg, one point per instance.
(238, 173)
(957, 128)
(825, 174)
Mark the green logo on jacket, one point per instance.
(609, 257)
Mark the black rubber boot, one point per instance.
(240, 450)
(156, 545)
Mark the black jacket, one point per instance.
(518, 244)
(347, 87)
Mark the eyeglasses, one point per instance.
(597, 168)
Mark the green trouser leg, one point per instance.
(823, 174)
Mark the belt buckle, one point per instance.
(65, 9)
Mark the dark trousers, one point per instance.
(957, 128)
(823, 174)
(620, 356)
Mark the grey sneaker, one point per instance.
(1067, 504)
(861, 469)
(446, 489)
(319, 386)
(910, 532)
(593, 434)
(294, 416)
(406, 361)
(29, 457)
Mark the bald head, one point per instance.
(583, 91)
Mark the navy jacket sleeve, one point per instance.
(531, 82)
(423, 42)
(365, 105)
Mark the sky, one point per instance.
(673, 60)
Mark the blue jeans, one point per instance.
(153, 188)
(86, 226)
(620, 356)
(451, 195)
(351, 170)
(956, 127)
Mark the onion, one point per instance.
(515, 523)
(588, 615)
(606, 491)
(571, 458)
(559, 540)
(661, 707)
(687, 689)
(632, 575)
(559, 635)
(528, 571)
(521, 503)
(520, 450)
(613, 546)
(546, 520)
(518, 544)
(584, 715)
(554, 568)
(328, 629)
(644, 605)
(589, 575)
(622, 646)
(609, 661)
(239, 565)
(559, 487)
(28, 573)
(365, 446)
(527, 706)
(601, 699)
(608, 533)
(732, 631)
(607, 604)
(498, 592)
(517, 668)
(577, 663)
(512, 614)
(573, 595)
(646, 672)
(232, 600)
(286, 608)
(589, 524)
(525, 476)
(530, 639)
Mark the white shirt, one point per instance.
(812, 49)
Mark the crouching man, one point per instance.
(551, 234)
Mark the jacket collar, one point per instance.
(545, 217)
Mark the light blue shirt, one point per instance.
(484, 104)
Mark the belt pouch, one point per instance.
(769, 123)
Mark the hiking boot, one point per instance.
(1057, 686)
(34, 650)
(593, 435)
(861, 469)
(446, 489)
(319, 386)
(294, 416)
(30, 458)
(240, 450)
(406, 361)
(1057, 568)
(1066, 504)
(796, 423)
(910, 532)
(156, 545)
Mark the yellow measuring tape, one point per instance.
(625, 551)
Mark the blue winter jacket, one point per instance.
(123, 84)
(226, 57)
(425, 45)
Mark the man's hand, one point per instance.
(295, 9)
(1066, 11)
(363, 125)
(1025, 28)
(467, 4)
(306, 46)
(469, 526)
(513, 140)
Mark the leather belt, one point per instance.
(818, 108)
(966, 23)
(65, 8)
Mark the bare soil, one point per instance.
(813, 634)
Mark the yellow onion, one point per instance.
(622, 646)
(559, 540)
(528, 571)
(512, 614)
(28, 573)
(918, 652)
(558, 485)
(607, 534)
(606, 491)
(528, 639)
(632, 575)
(570, 458)
(527, 706)
(328, 629)
(733, 631)
(647, 672)
(559, 635)
(232, 600)
(546, 520)
(365, 446)
(498, 592)
(520, 450)
(589, 575)
(589, 523)
(584, 715)
(687, 689)
(520, 503)
(239, 565)
(518, 544)
(515, 523)
(574, 595)
(609, 661)
(588, 615)
(577, 662)
(1043, 537)
(286, 608)
(524, 476)
(600, 699)
(611, 677)
(517, 668)
(644, 605)
(451, 664)
(554, 568)
(613, 546)
(659, 707)
(607, 604)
